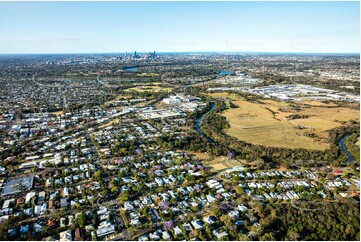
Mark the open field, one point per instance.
(282, 168)
(117, 98)
(218, 94)
(318, 103)
(222, 162)
(143, 104)
(267, 123)
(200, 155)
(231, 96)
(231, 163)
(148, 74)
(58, 113)
(149, 88)
(121, 96)
(217, 160)
(115, 121)
(316, 123)
(332, 114)
(156, 83)
(218, 167)
(160, 105)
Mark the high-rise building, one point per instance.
(152, 55)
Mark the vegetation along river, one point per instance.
(198, 124)
(350, 158)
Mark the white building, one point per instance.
(66, 236)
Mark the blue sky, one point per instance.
(90, 27)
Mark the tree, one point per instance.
(292, 235)
(215, 211)
(268, 237)
(243, 237)
(97, 176)
(168, 225)
(240, 190)
(124, 197)
(105, 193)
(114, 190)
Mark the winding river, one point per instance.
(342, 144)
(198, 124)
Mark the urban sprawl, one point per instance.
(136, 146)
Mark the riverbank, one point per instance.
(345, 149)
(198, 124)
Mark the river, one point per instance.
(342, 144)
(223, 72)
(131, 69)
(198, 124)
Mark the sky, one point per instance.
(106, 27)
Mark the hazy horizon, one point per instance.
(187, 52)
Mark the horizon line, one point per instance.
(185, 52)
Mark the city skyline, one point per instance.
(114, 27)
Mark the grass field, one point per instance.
(318, 103)
(231, 96)
(149, 88)
(266, 123)
(143, 104)
(117, 98)
(218, 167)
(222, 162)
(148, 74)
(333, 114)
(115, 121)
(121, 96)
(58, 113)
(200, 155)
(231, 163)
(217, 164)
(160, 105)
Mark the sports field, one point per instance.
(267, 123)
(222, 162)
